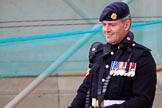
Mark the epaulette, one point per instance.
(139, 46)
(95, 48)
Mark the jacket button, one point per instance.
(107, 66)
(93, 49)
(103, 80)
(128, 38)
(133, 44)
(112, 53)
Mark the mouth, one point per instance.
(108, 35)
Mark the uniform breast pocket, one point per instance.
(127, 86)
(119, 86)
(115, 86)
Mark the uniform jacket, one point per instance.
(137, 88)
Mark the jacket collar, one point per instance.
(106, 49)
(127, 41)
(124, 44)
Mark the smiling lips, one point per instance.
(108, 35)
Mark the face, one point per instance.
(115, 31)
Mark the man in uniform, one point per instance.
(122, 73)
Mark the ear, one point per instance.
(127, 25)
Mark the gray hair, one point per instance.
(128, 17)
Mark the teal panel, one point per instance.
(32, 55)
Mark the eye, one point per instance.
(104, 24)
(112, 24)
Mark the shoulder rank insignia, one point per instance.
(119, 68)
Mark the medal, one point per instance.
(119, 68)
(114, 68)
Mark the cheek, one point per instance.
(119, 35)
(119, 31)
(104, 29)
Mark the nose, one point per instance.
(106, 28)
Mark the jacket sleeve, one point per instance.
(144, 84)
(79, 100)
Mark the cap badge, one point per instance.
(114, 16)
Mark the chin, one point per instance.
(109, 41)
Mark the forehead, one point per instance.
(112, 22)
